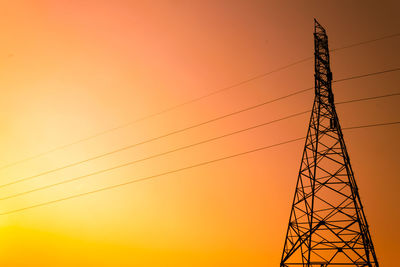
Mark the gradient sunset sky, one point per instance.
(70, 69)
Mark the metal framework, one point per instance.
(327, 225)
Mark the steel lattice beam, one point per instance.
(327, 225)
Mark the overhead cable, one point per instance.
(256, 77)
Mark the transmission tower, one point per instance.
(327, 225)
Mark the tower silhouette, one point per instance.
(327, 224)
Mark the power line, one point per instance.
(154, 139)
(367, 98)
(366, 75)
(372, 125)
(189, 102)
(181, 169)
(188, 128)
(365, 42)
(157, 113)
(155, 176)
(185, 147)
(153, 156)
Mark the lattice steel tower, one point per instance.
(327, 225)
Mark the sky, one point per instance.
(72, 69)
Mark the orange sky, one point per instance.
(71, 69)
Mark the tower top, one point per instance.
(318, 28)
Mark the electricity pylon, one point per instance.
(327, 225)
